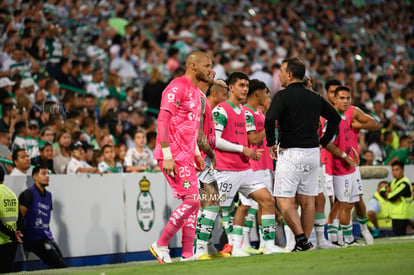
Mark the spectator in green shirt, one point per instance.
(402, 153)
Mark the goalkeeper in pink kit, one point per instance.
(177, 152)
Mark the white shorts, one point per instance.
(207, 176)
(359, 180)
(247, 201)
(329, 189)
(267, 178)
(231, 182)
(325, 182)
(297, 171)
(346, 188)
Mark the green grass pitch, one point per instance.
(387, 256)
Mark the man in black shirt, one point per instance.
(297, 110)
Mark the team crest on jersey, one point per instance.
(186, 184)
(177, 103)
(223, 197)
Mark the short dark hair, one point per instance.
(37, 169)
(4, 95)
(224, 60)
(295, 66)
(3, 132)
(332, 82)
(96, 70)
(106, 146)
(342, 88)
(90, 96)
(398, 163)
(404, 137)
(19, 126)
(18, 47)
(151, 135)
(236, 76)
(15, 154)
(7, 108)
(63, 61)
(254, 85)
(76, 63)
(69, 96)
(382, 182)
(49, 83)
(172, 51)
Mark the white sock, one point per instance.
(246, 237)
(237, 236)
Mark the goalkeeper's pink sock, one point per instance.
(190, 206)
(188, 236)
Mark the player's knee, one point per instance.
(267, 202)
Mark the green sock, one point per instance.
(363, 223)
(206, 222)
(227, 223)
(250, 218)
(347, 232)
(268, 224)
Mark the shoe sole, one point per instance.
(222, 255)
(205, 257)
(151, 250)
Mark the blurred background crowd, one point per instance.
(93, 71)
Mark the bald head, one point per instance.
(195, 58)
(198, 67)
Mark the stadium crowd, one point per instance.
(81, 81)
(94, 71)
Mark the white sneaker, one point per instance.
(192, 258)
(274, 250)
(161, 253)
(251, 250)
(201, 250)
(353, 243)
(326, 245)
(238, 252)
(369, 240)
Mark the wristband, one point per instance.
(166, 151)
(344, 155)
(197, 151)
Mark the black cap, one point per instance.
(75, 145)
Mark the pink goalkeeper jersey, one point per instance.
(265, 162)
(344, 141)
(182, 99)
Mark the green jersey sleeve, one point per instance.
(220, 118)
